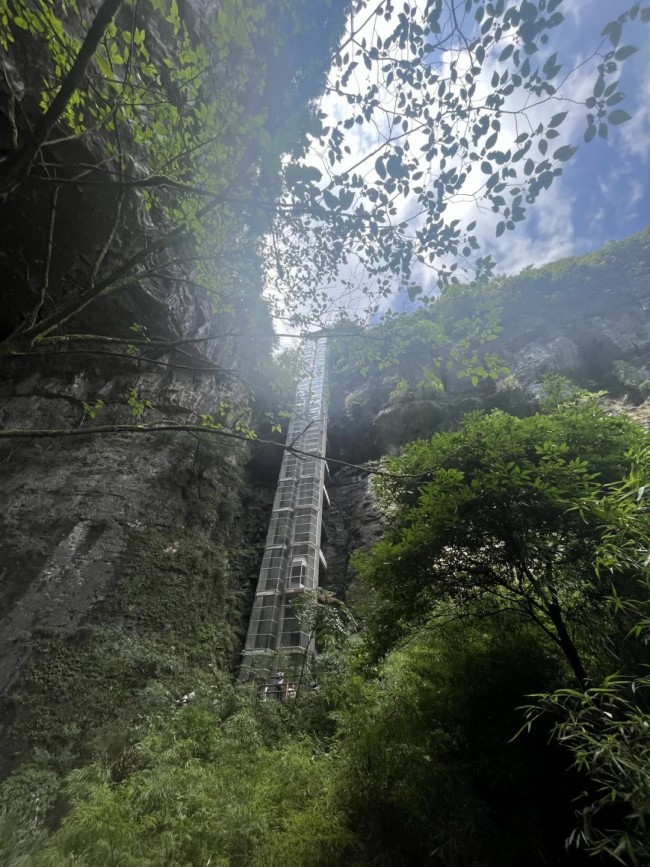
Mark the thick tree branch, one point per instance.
(17, 168)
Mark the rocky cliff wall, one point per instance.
(125, 559)
(586, 318)
(141, 541)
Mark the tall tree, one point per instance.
(504, 515)
(606, 727)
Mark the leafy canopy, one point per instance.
(436, 115)
(211, 106)
(505, 514)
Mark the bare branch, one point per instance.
(211, 368)
(168, 344)
(118, 204)
(48, 259)
(122, 276)
(160, 427)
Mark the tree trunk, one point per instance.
(566, 643)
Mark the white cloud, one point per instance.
(549, 231)
(554, 236)
(576, 9)
(635, 134)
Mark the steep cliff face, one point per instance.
(132, 538)
(70, 503)
(126, 557)
(352, 523)
(586, 318)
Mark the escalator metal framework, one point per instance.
(277, 641)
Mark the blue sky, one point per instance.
(603, 193)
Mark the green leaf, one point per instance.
(614, 32)
(346, 197)
(413, 292)
(618, 116)
(550, 65)
(564, 153)
(558, 118)
(295, 174)
(395, 167)
(625, 51)
(615, 98)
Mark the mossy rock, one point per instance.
(168, 625)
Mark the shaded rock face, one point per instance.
(134, 543)
(353, 523)
(68, 511)
(69, 504)
(587, 319)
(72, 507)
(582, 329)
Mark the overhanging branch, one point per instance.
(160, 427)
